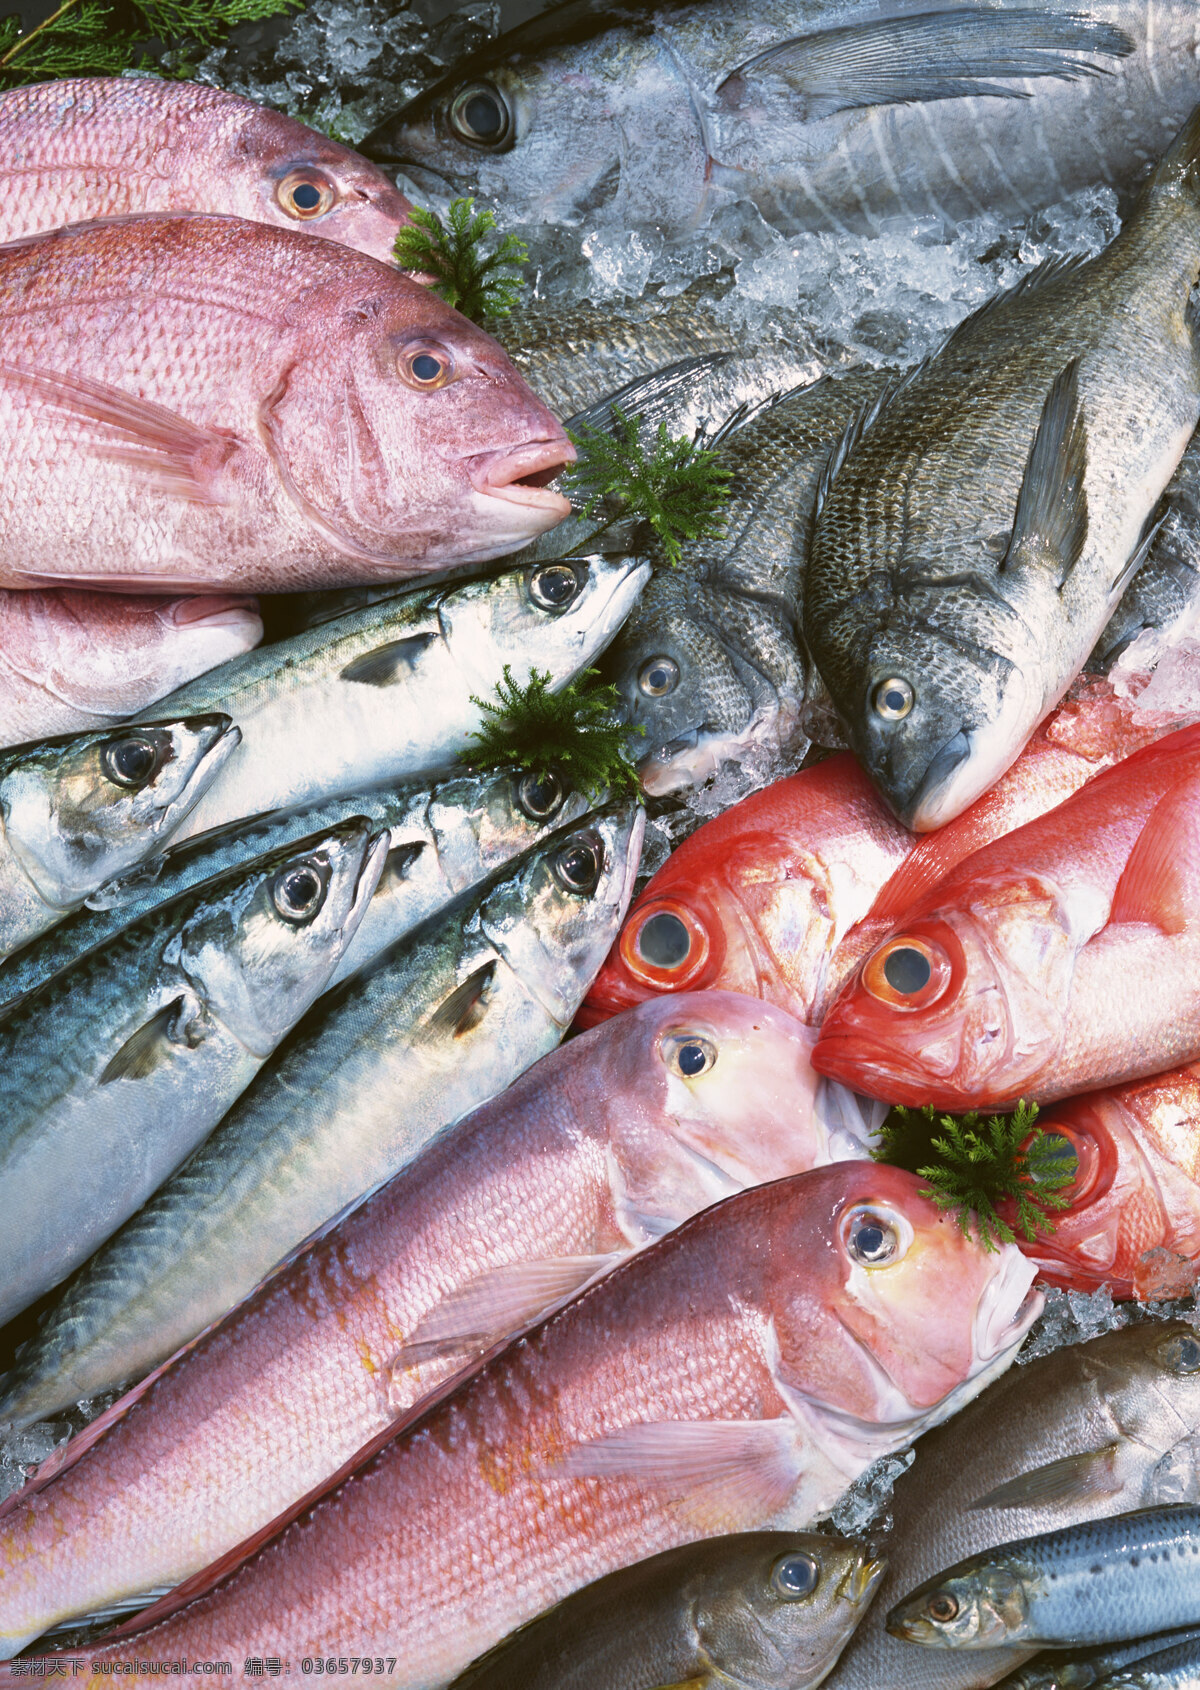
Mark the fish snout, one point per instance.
(521, 476)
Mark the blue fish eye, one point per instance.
(907, 970)
(871, 1239)
(483, 115)
(664, 941)
(689, 1054)
(129, 762)
(692, 1059)
(794, 1576)
(306, 197)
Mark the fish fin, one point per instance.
(111, 1611)
(853, 432)
(154, 1041)
(499, 1301)
(179, 457)
(388, 663)
(1073, 1478)
(933, 56)
(398, 862)
(714, 1469)
(1051, 524)
(1179, 166)
(463, 1009)
(1150, 532)
(1160, 883)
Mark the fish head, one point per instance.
(982, 1603)
(81, 809)
(554, 917)
(935, 725)
(480, 822)
(673, 941)
(262, 945)
(779, 1609)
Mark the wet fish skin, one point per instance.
(1176, 1668)
(113, 1073)
(103, 146)
(77, 809)
(974, 535)
(499, 1472)
(706, 1614)
(1102, 1665)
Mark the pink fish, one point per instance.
(83, 660)
(102, 146)
(739, 1372)
(205, 402)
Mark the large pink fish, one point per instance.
(205, 402)
(597, 1151)
(738, 1373)
(82, 660)
(102, 146)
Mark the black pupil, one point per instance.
(483, 116)
(579, 867)
(692, 1059)
(305, 197)
(907, 970)
(541, 794)
(894, 699)
(664, 941)
(868, 1240)
(1189, 1352)
(797, 1574)
(660, 679)
(557, 586)
(300, 887)
(132, 759)
(426, 367)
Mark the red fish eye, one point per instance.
(664, 946)
(305, 194)
(426, 367)
(907, 972)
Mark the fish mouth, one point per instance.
(522, 475)
(1008, 1307)
(864, 1581)
(935, 800)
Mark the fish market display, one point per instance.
(1057, 959)
(80, 809)
(444, 1020)
(767, 1609)
(386, 691)
(660, 1407)
(101, 146)
(976, 529)
(164, 1027)
(598, 1150)
(332, 421)
(1094, 1429)
(73, 660)
(826, 116)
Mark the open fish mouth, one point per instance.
(522, 475)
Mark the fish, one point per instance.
(824, 117)
(444, 838)
(441, 1021)
(112, 1074)
(1102, 1665)
(76, 810)
(1096, 1582)
(1053, 961)
(100, 146)
(72, 660)
(1175, 1668)
(331, 422)
(386, 692)
(600, 1148)
(1091, 1429)
(660, 1407)
(975, 530)
(771, 1609)
(783, 894)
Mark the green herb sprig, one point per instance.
(679, 488)
(80, 38)
(971, 1164)
(577, 730)
(474, 281)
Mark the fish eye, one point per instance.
(1060, 1150)
(426, 367)
(893, 699)
(664, 948)
(872, 1237)
(658, 677)
(577, 865)
(942, 1607)
(130, 762)
(795, 1576)
(1180, 1354)
(907, 973)
(554, 586)
(689, 1054)
(479, 115)
(539, 794)
(298, 891)
(305, 194)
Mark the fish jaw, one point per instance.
(969, 765)
(512, 496)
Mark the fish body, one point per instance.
(1176, 1668)
(245, 407)
(755, 1611)
(444, 1020)
(101, 146)
(733, 1376)
(79, 809)
(976, 529)
(1014, 976)
(112, 1074)
(385, 692)
(838, 117)
(1103, 1665)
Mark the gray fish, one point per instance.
(443, 839)
(824, 113)
(975, 530)
(77, 810)
(442, 1021)
(1176, 1668)
(1082, 1669)
(385, 692)
(112, 1074)
(752, 1611)
(1096, 1428)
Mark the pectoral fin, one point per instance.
(1073, 1478)
(152, 1044)
(462, 1009)
(1160, 883)
(1051, 523)
(388, 663)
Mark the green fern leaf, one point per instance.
(577, 730)
(473, 280)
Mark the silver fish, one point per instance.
(112, 1074)
(440, 1023)
(1102, 1665)
(1176, 1668)
(975, 530)
(824, 113)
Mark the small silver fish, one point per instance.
(1103, 1665)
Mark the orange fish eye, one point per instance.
(426, 367)
(664, 946)
(907, 972)
(306, 193)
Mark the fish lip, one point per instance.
(1007, 1309)
(864, 1580)
(506, 474)
(926, 810)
